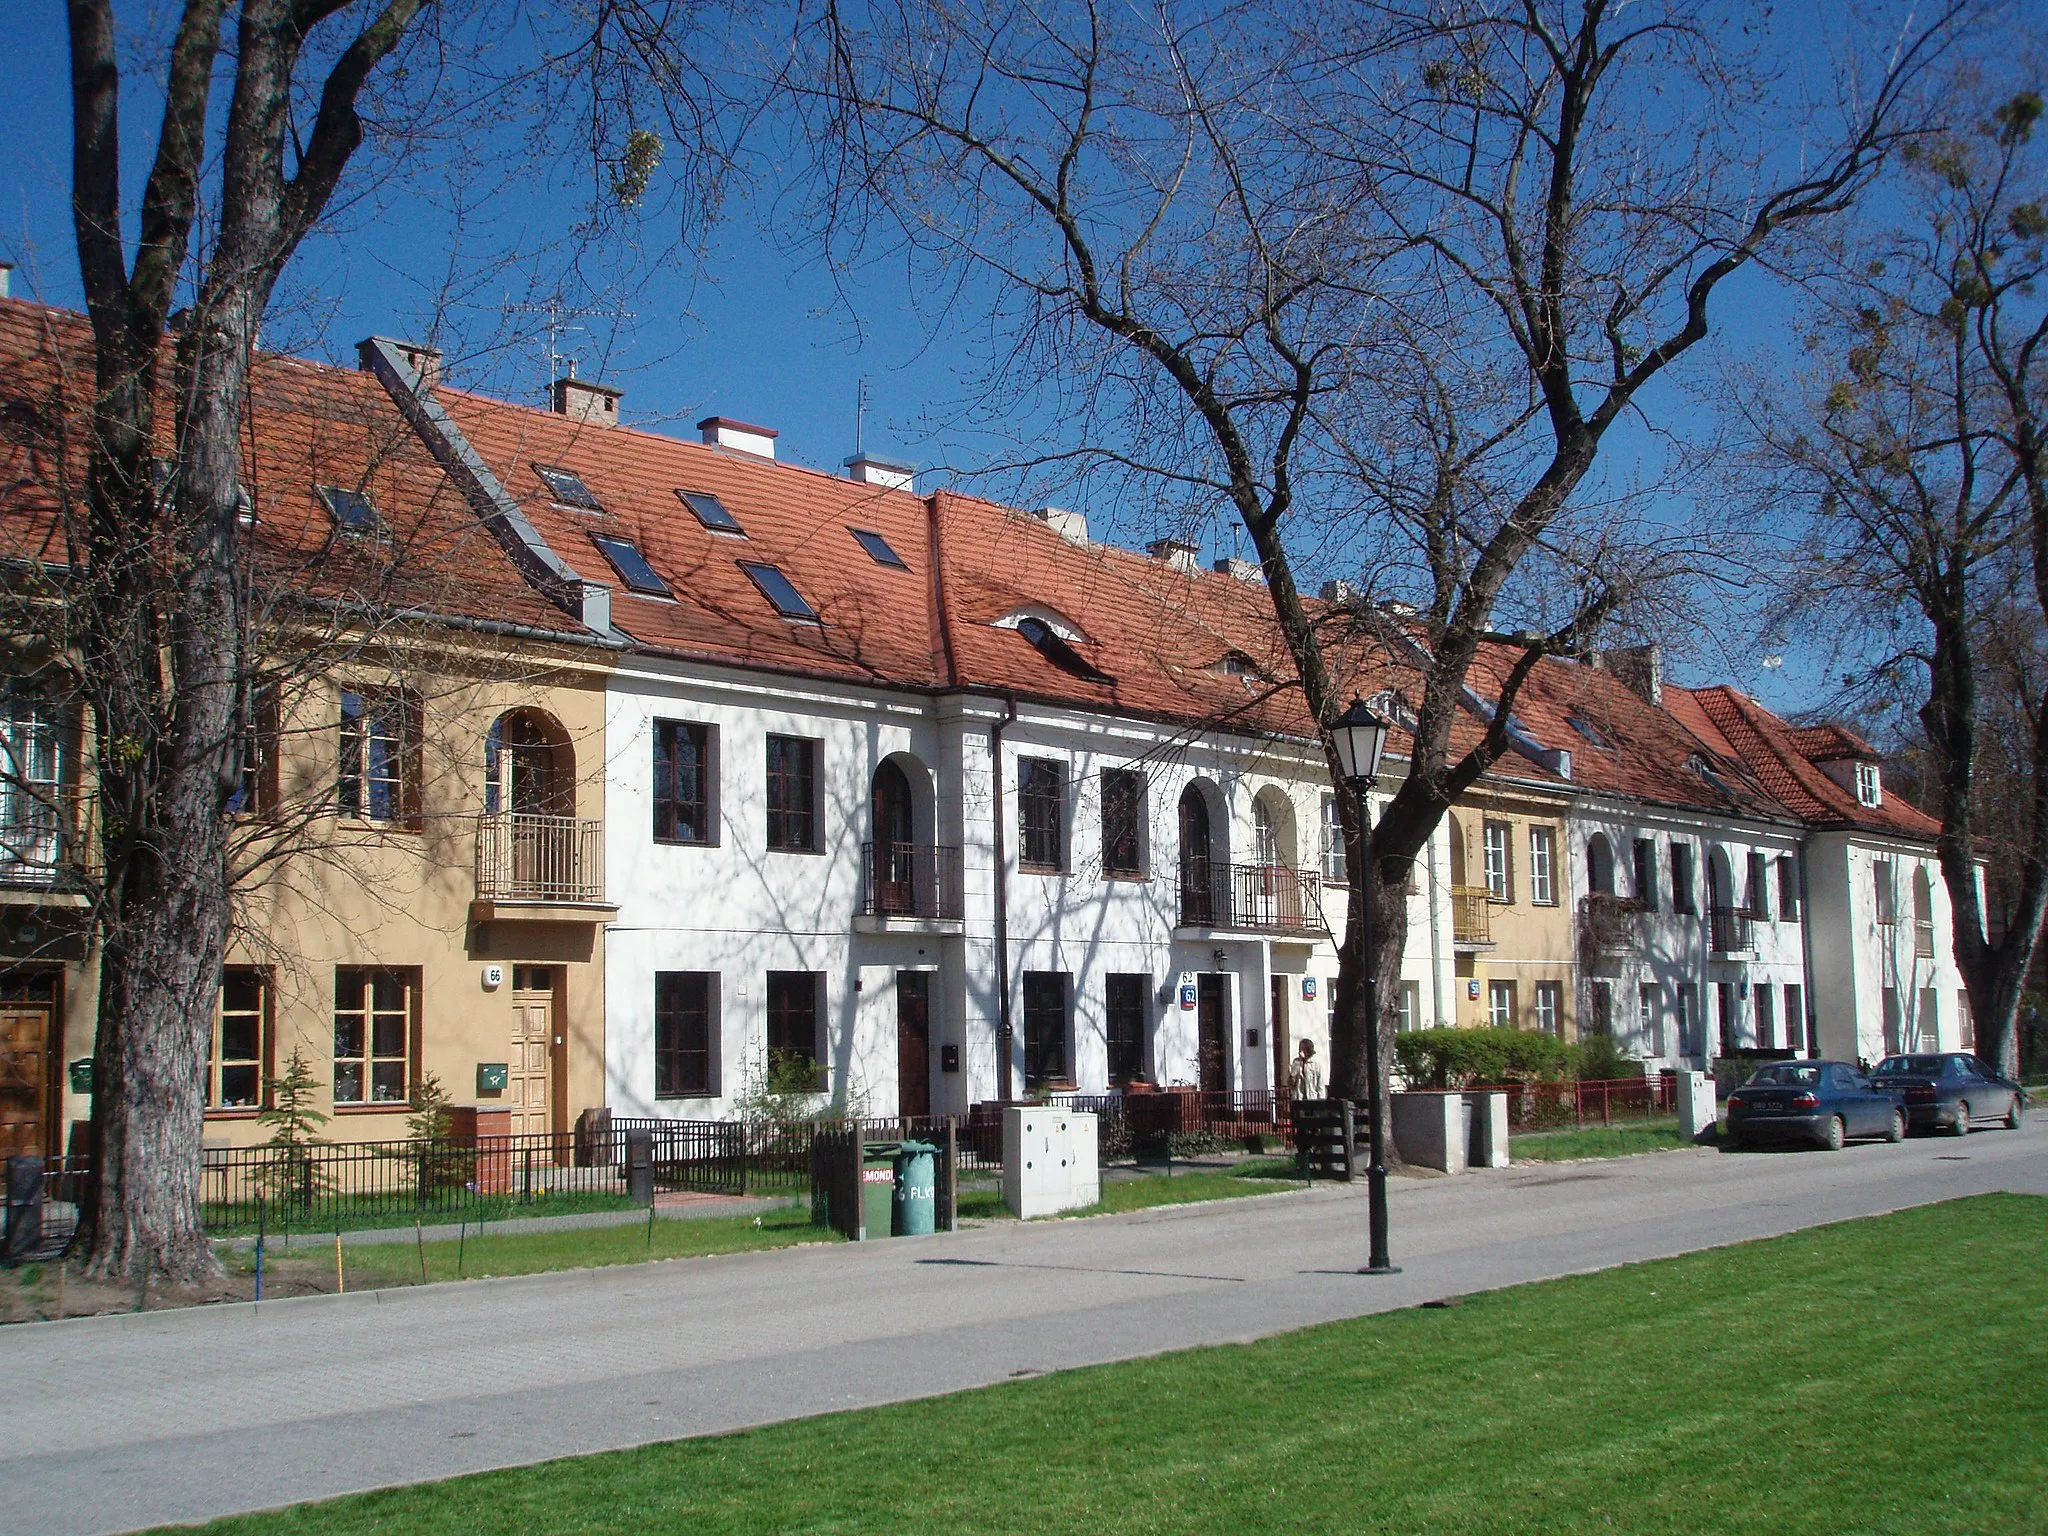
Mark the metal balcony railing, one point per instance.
(1731, 929)
(1607, 924)
(1923, 938)
(910, 880)
(1272, 898)
(41, 834)
(539, 858)
(1471, 914)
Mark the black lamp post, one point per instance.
(1360, 736)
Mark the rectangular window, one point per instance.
(1965, 1020)
(1868, 791)
(1764, 1004)
(1125, 1007)
(1689, 1020)
(1648, 1025)
(1408, 1007)
(1683, 897)
(793, 1022)
(373, 1035)
(1795, 1017)
(685, 1017)
(1788, 888)
(792, 794)
(1885, 892)
(1123, 822)
(1730, 1019)
(256, 791)
(683, 780)
(1045, 1029)
(1500, 872)
(1041, 799)
(1549, 1007)
(780, 591)
(1646, 874)
(380, 761)
(1894, 1040)
(1928, 1024)
(1333, 842)
(1500, 1004)
(710, 511)
(878, 548)
(1542, 866)
(240, 1057)
(625, 558)
(1759, 887)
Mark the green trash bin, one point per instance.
(878, 1187)
(916, 1191)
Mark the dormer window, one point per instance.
(1869, 792)
(568, 489)
(1049, 644)
(352, 511)
(632, 566)
(1235, 664)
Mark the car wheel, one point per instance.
(1962, 1125)
(1898, 1127)
(1836, 1133)
(2012, 1116)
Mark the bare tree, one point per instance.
(1915, 454)
(1365, 280)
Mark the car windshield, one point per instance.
(1930, 1065)
(1785, 1075)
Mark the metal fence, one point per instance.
(910, 880)
(1588, 1101)
(539, 858)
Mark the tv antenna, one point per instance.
(558, 364)
(860, 414)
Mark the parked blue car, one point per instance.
(1822, 1102)
(1952, 1091)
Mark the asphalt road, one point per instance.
(110, 1424)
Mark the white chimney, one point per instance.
(1336, 591)
(873, 469)
(724, 432)
(584, 400)
(1243, 570)
(1069, 525)
(6, 279)
(1178, 553)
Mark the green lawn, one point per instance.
(1659, 1398)
(240, 1220)
(1659, 1135)
(1254, 1176)
(532, 1253)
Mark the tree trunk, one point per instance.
(1350, 1077)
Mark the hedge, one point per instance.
(1451, 1058)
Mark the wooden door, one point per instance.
(1603, 1008)
(529, 1083)
(25, 1075)
(1283, 1056)
(1197, 906)
(1212, 1027)
(913, 1043)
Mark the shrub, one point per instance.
(1599, 1059)
(1452, 1058)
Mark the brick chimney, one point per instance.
(724, 432)
(586, 400)
(423, 360)
(1640, 669)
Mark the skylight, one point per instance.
(1058, 652)
(779, 591)
(711, 512)
(877, 547)
(1590, 731)
(567, 487)
(632, 566)
(351, 510)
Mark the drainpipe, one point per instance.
(1436, 970)
(1003, 1031)
(1811, 1001)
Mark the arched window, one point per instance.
(529, 766)
(1599, 865)
(1923, 914)
(1196, 903)
(1265, 836)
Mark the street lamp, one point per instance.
(1360, 736)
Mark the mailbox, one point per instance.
(949, 1058)
(491, 1076)
(81, 1075)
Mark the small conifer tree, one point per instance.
(291, 1176)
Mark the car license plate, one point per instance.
(1771, 1106)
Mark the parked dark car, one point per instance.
(1823, 1102)
(1952, 1092)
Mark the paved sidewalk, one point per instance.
(109, 1424)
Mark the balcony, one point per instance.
(1732, 930)
(1253, 898)
(1923, 939)
(540, 868)
(42, 842)
(910, 888)
(1471, 917)
(1607, 924)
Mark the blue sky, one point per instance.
(753, 330)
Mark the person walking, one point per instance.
(1305, 1077)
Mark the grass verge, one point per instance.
(1660, 1397)
(1596, 1141)
(240, 1222)
(1255, 1176)
(531, 1253)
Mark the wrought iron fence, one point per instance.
(910, 880)
(1731, 930)
(44, 1200)
(1586, 1101)
(539, 858)
(1271, 898)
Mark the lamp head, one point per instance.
(1360, 736)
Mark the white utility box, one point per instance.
(1050, 1162)
(1697, 1111)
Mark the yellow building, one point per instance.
(1511, 909)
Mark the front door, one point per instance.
(529, 1082)
(1212, 1029)
(1277, 1024)
(1603, 1008)
(24, 1077)
(913, 1043)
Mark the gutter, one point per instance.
(1003, 1025)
